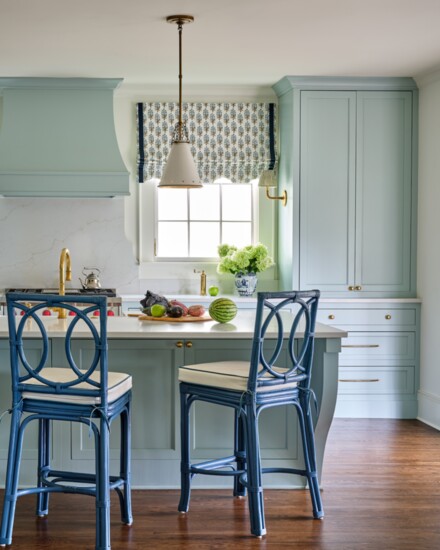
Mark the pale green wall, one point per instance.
(428, 251)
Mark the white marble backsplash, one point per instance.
(33, 232)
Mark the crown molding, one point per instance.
(158, 92)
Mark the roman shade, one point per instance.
(228, 140)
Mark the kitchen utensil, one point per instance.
(91, 280)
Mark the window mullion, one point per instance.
(227, 230)
(188, 252)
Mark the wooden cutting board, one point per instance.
(186, 319)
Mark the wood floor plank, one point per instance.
(381, 490)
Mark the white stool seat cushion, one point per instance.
(118, 384)
(231, 375)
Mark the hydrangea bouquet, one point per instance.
(250, 259)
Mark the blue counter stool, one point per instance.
(249, 387)
(43, 393)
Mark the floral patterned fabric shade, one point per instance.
(231, 140)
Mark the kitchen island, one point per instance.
(151, 352)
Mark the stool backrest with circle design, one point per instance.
(25, 314)
(274, 320)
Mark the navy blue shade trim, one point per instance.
(272, 135)
(140, 113)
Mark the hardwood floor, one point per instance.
(381, 490)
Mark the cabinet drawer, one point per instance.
(384, 316)
(378, 347)
(373, 380)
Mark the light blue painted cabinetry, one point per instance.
(348, 161)
(378, 364)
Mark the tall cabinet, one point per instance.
(348, 160)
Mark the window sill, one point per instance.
(179, 278)
(175, 270)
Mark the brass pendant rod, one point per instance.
(180, 20)
(180, 80)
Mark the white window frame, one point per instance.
(180, 273)
(193, 259)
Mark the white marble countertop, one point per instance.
(253, 299)
(132, 327)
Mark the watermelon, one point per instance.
(223, 310)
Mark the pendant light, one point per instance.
(180, 170)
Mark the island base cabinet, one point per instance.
(156, 413)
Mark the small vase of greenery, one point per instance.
(244, 263)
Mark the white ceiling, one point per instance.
(231, 42)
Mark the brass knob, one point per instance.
(331, 316)
(358, 287)
(351, 288)
(189, 344)
(388, 317)
(179, 344)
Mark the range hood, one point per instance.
(57, 138)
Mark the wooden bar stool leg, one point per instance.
(308, 439)
(318, 510)
(254, 481)
(126, 513)
(43, 463)
(9, 497)
(15, 475)
(239, 452)
(185, 463)
(103, 488)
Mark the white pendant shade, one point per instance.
(180, 170)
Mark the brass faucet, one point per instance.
(202, 282)
(65, 275)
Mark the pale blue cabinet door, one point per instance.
(153, 365)
(33, 351)
(327, 190)
(383, 191)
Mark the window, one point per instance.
(191, 223)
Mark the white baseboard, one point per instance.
(429, 409)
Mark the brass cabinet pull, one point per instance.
(358, 287)
(351, 288)
(360, 346)
(331, 316)
(179, 344)
(189, 344)
(359, 380)
(388, 317)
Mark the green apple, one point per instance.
(213, 290)
(158, 310)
